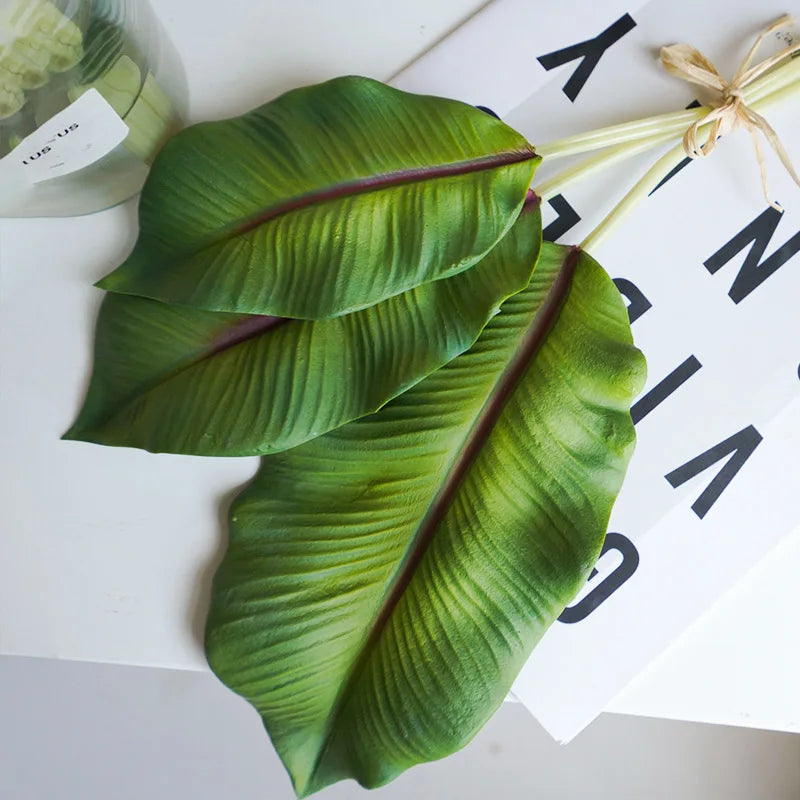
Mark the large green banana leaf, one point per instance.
(326, 200)
(182, 380)
(385, 583)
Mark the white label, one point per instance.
(79, 135)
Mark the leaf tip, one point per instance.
(79, 432)
(303, 782)
(116, 281)
(106, 283)
(73, 434)
(302, 790)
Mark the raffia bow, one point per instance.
(730, 111)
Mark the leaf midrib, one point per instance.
(473, 442)
(357, 186)
(244, 330)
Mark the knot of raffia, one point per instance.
(729, 109)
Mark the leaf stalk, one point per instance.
(783, 77)
(761, 97)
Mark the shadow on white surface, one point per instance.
(88, 732)
(200, 599)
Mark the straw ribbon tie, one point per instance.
(730, 110)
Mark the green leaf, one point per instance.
(327, 200)
(103, 46)
(385, 583)
(182, 380)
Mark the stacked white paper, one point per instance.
(712, 274)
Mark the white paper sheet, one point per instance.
(719, 271)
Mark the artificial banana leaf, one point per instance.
(182, 380)
(384, 583)
(327, 200)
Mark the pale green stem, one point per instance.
(768, 95)
(765, 94)
(777, 94)
(601, 161)
(779, 78)
(643, 187)
(672, 124)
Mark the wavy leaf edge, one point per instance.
(310, 779)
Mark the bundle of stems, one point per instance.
(616, 143)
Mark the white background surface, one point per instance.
(106, 554)
(96, 732)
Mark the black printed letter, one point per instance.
(753, 274)
(589, 52)
(682, 165)
(567, 218)
(637, 302)
(601, 593)
(740, 447)
(661, 391)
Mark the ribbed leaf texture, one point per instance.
(384, 583)
(182, 380)
(329, 199)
